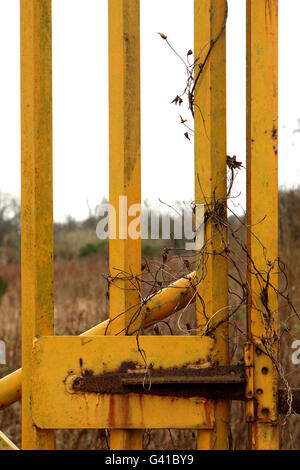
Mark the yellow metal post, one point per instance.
(125, 173)
(36, 218)
(262, 210)
(210, 185)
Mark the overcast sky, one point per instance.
(80, 103)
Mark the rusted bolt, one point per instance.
(69, 382)
(77, 382)
(250, 393)
(265, 370)
(265, 411)
(259, 391)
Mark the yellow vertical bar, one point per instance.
(125, 173)
(210, 184)
(262, 208)
(36, 199)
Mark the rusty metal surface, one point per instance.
(214, 382)
(188, 381)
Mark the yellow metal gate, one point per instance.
(84, 381)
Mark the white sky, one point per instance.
(80, 104)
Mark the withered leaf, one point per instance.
(163, 36)
(182, 120)
(233, 163)
(177, 100)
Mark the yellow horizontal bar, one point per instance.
(167, 301)
(10, 388)
(56, 360)
(6, 443)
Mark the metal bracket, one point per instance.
(231, 382)
(249, 390)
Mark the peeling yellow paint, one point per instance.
(262, 206)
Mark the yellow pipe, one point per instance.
(158, 307)
(10, 388)
(170, 300)
(6, 443)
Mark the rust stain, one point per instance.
(111, 416)
(209, 409)
(125, 411)
(142, 410)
